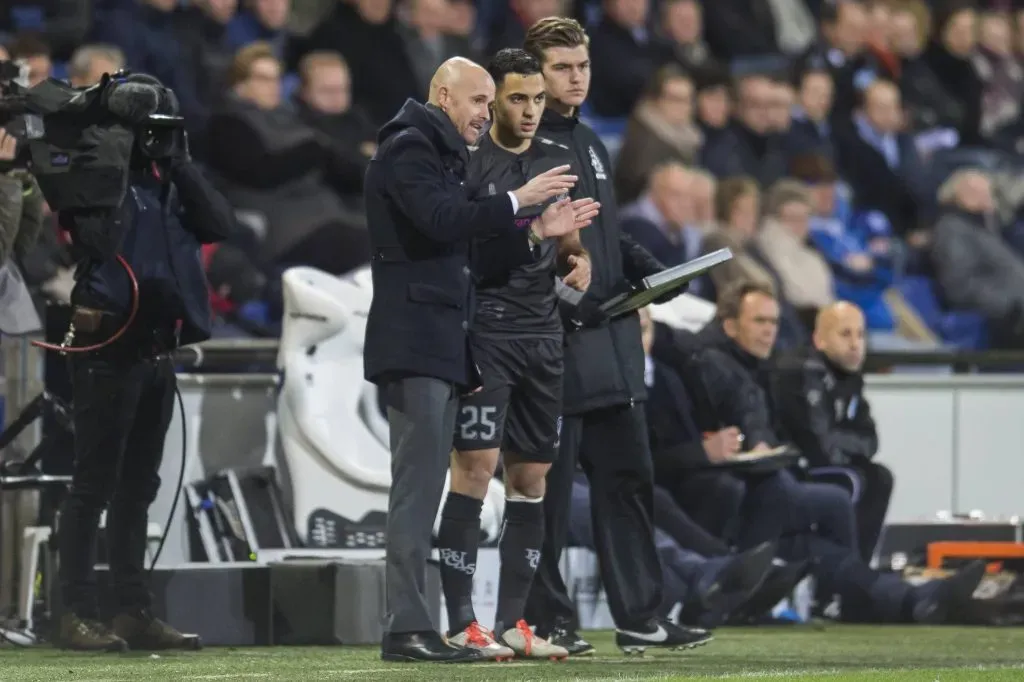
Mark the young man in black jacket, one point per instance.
(603, 390)
(516, 340)
(823, 409)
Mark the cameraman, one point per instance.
(124, 391)
(21, 204)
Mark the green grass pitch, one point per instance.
(800, 653)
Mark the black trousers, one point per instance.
(873, 505)
(123, 403)
(612, 449)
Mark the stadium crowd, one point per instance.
(858, 157)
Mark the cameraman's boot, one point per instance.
(81, 634)
(143, 632)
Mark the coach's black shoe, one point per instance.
(425, 647)
(144, 632)
(566, 637)
(943, 601)
(82, 634)
(661, 634)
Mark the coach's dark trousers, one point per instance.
(421, 416)
(611, 446)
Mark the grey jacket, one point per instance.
(975, 268)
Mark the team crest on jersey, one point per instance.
(490, 189)
(596, 163)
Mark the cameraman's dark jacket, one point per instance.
(604, 365)
(729, 386)
(162, 226)
(824, 411)
(675, 438)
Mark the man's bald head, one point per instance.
(670, 189)
(839, 334)
(464, 91)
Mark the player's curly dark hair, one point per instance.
(512, 60)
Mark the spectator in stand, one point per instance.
(740, 28)
(1001, 73)
(931, 112)
(275, 172)
(975, 268)
(862, 254)
(260, 20)
(949, 57)
(682, 28)
(661, 129)
(738, 207)
(31, 49)
(366, 32)
(661, 221)
(146, 33)
(427, 42)
(841, 52)
(702, 191)
(780, 111)
(879, 40)
(202, 29)
(749, 146)
(625, 55)
(810, 132)
(806, 279)
(824, 411)
(879, 161)
(714, 103)
(90, 62)
(324, 102)
(522, 15)
(461, 24)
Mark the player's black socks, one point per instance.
(519, 549)
(457, 543)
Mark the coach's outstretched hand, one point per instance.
(548, 184)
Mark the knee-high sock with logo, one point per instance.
(519, 549)
(457, 541)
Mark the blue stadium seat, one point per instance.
(255, 311)
(960, 329)
(60, 70)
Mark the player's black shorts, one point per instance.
(520, 405)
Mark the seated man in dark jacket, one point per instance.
(822, 407)
(730, 381)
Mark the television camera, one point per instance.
(78, 142)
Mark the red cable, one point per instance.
(118, 334)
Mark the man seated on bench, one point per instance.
(823, 409)
(727, 376)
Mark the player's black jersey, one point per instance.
(524, 303)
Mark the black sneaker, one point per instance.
(947, 600)
(569, 639)
(83, 634)
(143, 632)
(660, 634)
(780, 583)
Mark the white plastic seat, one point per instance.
(334, 437)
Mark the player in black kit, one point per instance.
(516, 341)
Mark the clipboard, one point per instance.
(765, 461)
(659, 284)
